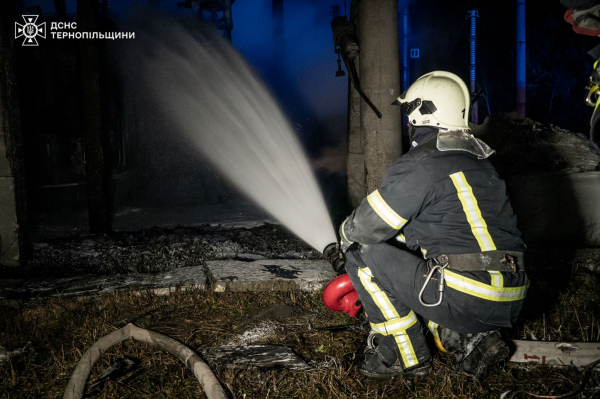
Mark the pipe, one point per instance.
(76, 386)
(278, 42)
(344, 37)
(227, 19)
(521, 59)
(405, 70)
(405, 50)
(354, 76)
(473, 14)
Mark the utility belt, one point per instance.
(501, 261)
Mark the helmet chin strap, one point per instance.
(411, 133)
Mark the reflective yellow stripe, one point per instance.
(433, 328)
(436, 336)
(497, 278)
(384, 211)
(424, 252)
(484, 291)
(379, 297)
(409, 357)
(400, 237)
(473, 213)
(394, 324)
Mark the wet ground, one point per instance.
(158, 249)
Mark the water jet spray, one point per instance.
(212, 97)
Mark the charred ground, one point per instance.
(563, 304)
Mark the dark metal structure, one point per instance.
(217, 12)
(473, 15)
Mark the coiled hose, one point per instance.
(211, 385)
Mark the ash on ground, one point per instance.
(158, 249)
(524, 147)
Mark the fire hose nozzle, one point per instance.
(334, 255)
(340, 296)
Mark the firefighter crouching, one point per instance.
(444, 199)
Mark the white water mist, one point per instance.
(210, 94)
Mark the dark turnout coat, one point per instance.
(438, 202)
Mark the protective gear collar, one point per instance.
(438, 99)
(461, 140)
(421, 135)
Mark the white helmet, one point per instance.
(438, 99)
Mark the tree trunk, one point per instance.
(87, 11)
(13, 204)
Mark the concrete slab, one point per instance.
(270, 275)
(160, 283)
(227, 275)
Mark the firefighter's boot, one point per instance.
(375, 366)
(490, 351)
(476, 354)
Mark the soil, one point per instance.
(563, 303)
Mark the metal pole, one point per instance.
(405, 80)
(521, 59)
(227, 19)
(473, 14)
(278, 44)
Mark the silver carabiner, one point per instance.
(441, 285)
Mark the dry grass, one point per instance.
(60, 329)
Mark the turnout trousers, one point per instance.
(388, 281)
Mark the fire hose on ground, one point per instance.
(211, 385)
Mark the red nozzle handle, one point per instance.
(340, 295)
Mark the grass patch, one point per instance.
(58, 330)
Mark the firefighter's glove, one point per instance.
(344, 242)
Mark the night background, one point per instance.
(298, 64)
(188, 179)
